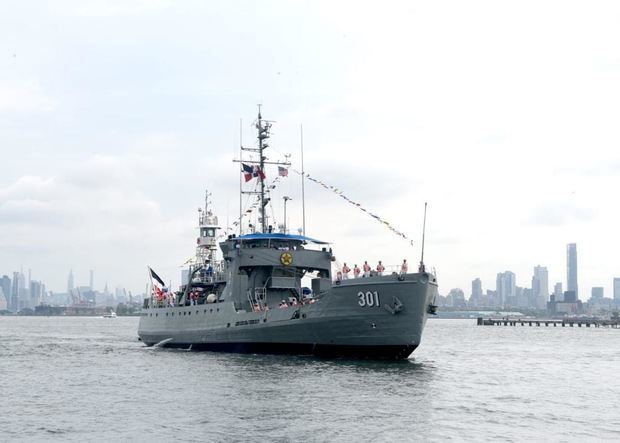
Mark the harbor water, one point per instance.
(90, 379)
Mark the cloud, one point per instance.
(113, 8)
(557, 213)
(92, 214)
(24, 96)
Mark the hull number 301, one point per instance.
(368, 299)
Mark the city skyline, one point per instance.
(18, 292)
(537, 296)
(506, 293)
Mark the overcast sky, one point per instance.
(116, 115)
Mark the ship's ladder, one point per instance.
(257, 298)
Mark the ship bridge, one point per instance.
(277, 250)
(274, 264)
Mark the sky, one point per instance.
(116, 116)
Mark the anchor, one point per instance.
(396, 308)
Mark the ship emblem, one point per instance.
(286, 259)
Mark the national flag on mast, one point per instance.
(258, 172)
(251, 171)
(156, 277)
(282, 172)
(248, 172)
(158, 285)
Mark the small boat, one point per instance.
(110, 314)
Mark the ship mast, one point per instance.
(263, 134)
(263, 128)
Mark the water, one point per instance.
(76, 379)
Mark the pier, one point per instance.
(567, 322)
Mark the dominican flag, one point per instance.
(282, 172)
(251, 171)
(248, 172)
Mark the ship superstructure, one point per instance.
(253, 298)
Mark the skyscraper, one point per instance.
(5, 284)
(92, 280)
(540, 287)
(558, 292)
(70, 285)
(505, 286)
(598, 292)
(617, 290)
(14, 302)
(571, 269)
(476, 292)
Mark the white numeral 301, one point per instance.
(368, 299)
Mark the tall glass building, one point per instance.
(571, 268)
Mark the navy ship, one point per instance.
(246, 294)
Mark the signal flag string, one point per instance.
(339, 193)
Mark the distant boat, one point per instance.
(110, 314)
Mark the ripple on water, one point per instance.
(78, 379)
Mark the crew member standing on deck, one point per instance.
(404, 268)
(380, 268)
(366, 268)
(356, 271)
(345, 272)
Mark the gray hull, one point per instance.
(375, 317)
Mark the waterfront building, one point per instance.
(491, 298)
(15, 290)
(571, 269)
(70, 284)
(476, 292)
(456, 298)
(3, 300)
(35, 294)
(598, 302)
(540, 287)
(557, 291)
(598, 292)
(5, 284)
(506, 287)
(569, 306)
